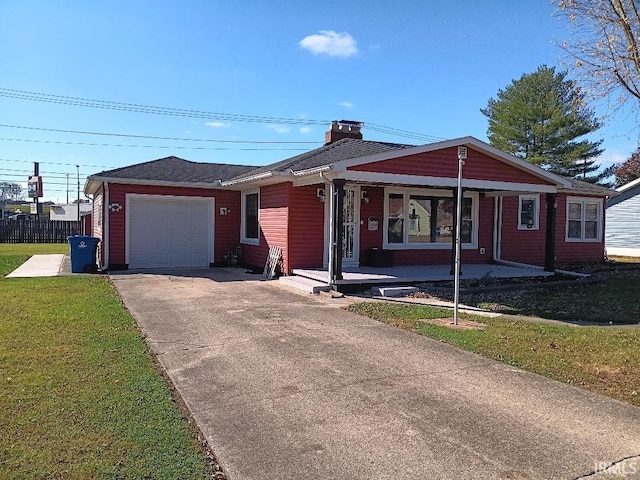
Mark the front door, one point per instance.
(351, 227)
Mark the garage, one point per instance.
(169, 231)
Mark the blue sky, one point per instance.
(420, 66)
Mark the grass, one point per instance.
(600, 359)
(80, 397)
(26, 208)
(28, 249)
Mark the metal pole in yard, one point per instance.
(462, 155)
(78, 172)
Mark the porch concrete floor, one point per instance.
(420, 273)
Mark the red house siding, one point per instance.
(375, 208)
(524, 246)
(307, 230)
(571, 252)
(274, 225)
(226, 227)
(444, 163)
(528, 246)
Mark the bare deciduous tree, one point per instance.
(604, 47)
(10, 191)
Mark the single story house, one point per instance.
(349, 203)
(623, 221)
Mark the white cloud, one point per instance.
(346, 104)
(278, 128)
(330, 44)
(305, 130)
(216, 124)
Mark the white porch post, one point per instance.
(332, 206)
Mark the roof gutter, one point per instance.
(312, 171)
(96, 180)
(254, 178)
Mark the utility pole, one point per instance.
(67, 188)
(36, 173)
(78, 173)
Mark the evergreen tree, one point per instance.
(540, 118)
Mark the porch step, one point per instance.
(304, 284)
(393, 291)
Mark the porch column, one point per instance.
(550, 239)
(337, 220)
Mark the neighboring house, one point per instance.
(328, 208)
(69, 212)
(622, 235)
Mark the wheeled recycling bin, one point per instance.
(83, 253)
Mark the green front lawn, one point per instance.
(33, 248)
(601, 359)
(617, 300)
(80, 396)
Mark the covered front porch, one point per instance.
(419, 273)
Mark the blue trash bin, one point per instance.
(83, 253)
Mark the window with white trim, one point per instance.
(529, 212)
(584, 220)
(424, 219)
(250, 230)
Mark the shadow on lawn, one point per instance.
(610, 298)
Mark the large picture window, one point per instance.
(584, 220)
(425, 220)
(250, 225)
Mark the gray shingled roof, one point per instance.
(590, 188)
(176, 169)
(344, 149)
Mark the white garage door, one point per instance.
(166, 231)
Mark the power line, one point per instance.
(156, 110)
(179, 112)
(165, 147)
(156, 137)
(55, 163)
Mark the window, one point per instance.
(250, 227)
(529, 212)
(584, 220)
(395, 218)
(425, 220)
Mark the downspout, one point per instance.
(105, 228)
(497, 228)
(329, 195)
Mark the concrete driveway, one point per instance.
(289, 386)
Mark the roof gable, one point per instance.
(472, 143)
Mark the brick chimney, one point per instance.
(343, 129)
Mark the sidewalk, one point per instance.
(39, 266)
